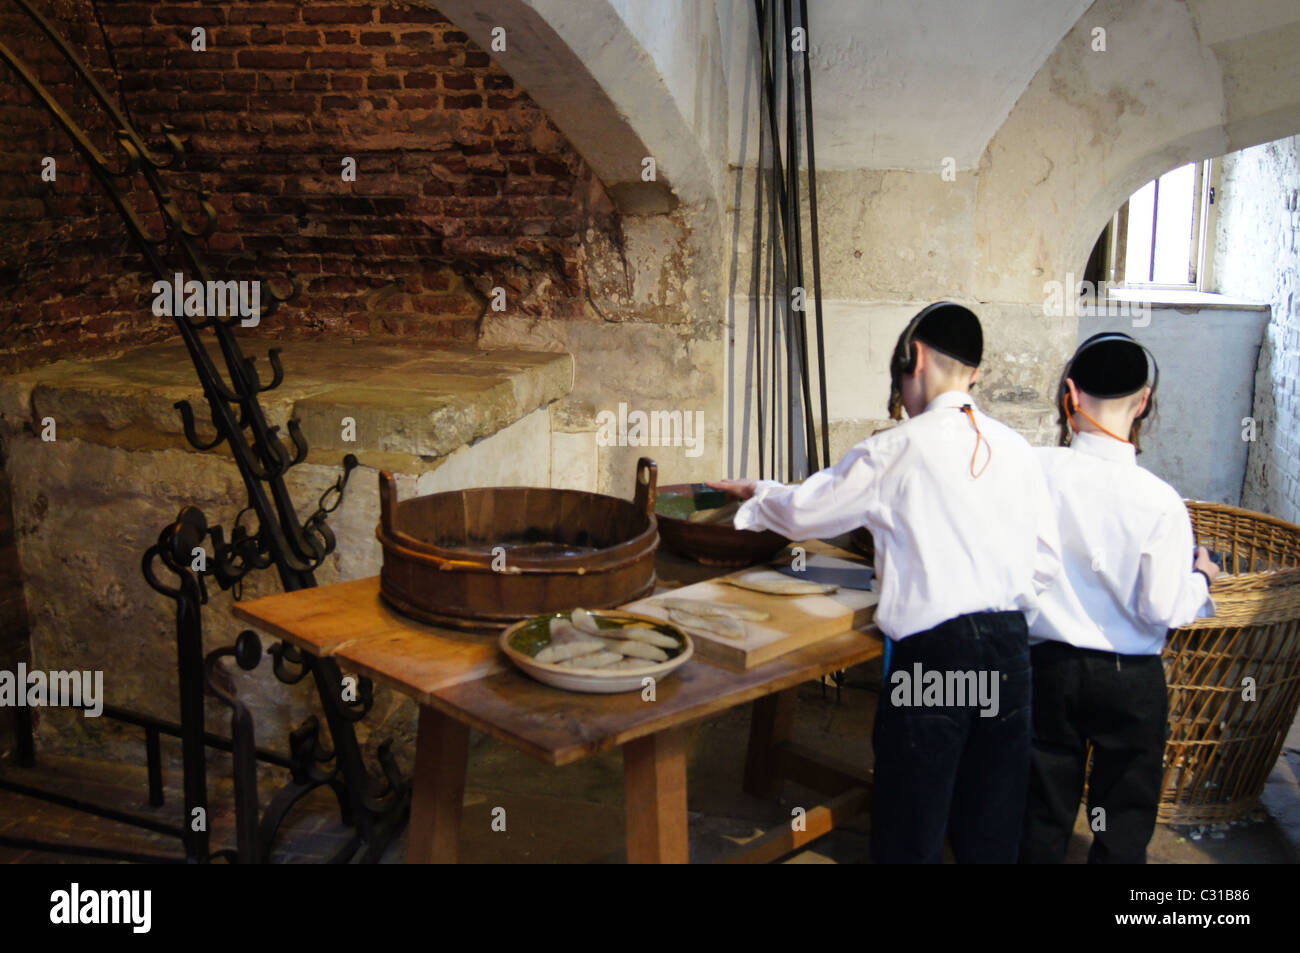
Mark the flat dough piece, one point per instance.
(637, 650)
(555, 654)
(716, 610)
(564, 632)
(779, 587)
(630, 663)
(584, 621)
(727, 628)
(601, 659)
(641, 633)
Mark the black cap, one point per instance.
(953, 330)
(1110, 365)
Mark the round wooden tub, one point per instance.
(482, 559)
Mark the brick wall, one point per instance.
(1257, 256)
(56, 295)
(462, 183)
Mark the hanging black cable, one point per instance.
(794, 261)
(786, 349)
(814, 241)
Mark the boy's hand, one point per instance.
(740, 489)
(1205, 564)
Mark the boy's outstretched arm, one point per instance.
(831, 501)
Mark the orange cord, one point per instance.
(1073, 426)
(978, 437)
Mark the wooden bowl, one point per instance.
(715, 544)
(521, 641)
(481, 559)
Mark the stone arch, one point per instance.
(601, 87)
(1091, 127)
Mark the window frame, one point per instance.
(1200, 239)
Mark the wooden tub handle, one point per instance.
(647, 477)
(387, 502)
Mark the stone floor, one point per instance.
(574, 814)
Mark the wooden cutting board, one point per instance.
(793, 622)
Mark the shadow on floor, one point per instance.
(574, 814)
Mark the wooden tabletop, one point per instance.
(464, 674)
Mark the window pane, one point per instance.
(1137, 255)
(1174, 225)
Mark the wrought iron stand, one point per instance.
(375, 808)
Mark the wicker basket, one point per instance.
(1222, 746)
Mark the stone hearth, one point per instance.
(88, 503)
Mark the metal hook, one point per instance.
(191, 432)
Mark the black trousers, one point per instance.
(1118, 703)
(954, 768)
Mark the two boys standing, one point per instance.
(984, 546)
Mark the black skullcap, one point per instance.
(1110, 365)
(953, 330)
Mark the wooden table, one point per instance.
(461, 681)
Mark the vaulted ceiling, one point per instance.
(905, 85)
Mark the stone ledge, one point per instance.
(404, 401)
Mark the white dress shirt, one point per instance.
(1127, 546)
(947, 543)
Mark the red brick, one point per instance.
(396, 14)
(263, 13)
(332, 59)
(138, 13)
(265, 36)
(203, 81)
(406, 59)
(188, 15)
(318, 13)
(459, 81)
(272, 59)
(417, 100)
(545, 165)
(377, 39)
(462, 102)
(156, 102)
(274, 82)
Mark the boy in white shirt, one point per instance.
(964, 540)
(1127, 547)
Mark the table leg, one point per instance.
(769, 725)
(654, 773)
(438, 789)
